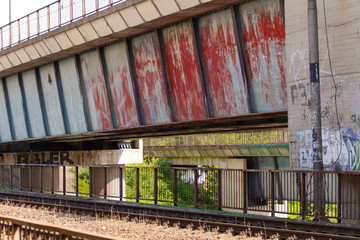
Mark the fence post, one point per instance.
(121, 183)
(64, 180)
(137, 184)
(11, 177)
(48, 17)
(30, 180)
(38, 22)
(90, 182)
(219, 189)
(16, 232)
(196, 187)
(105, 182)
(245, 190)
(19, 32)
(83, 8)
(77, 180)
(10, 35)
(41, 178)
(272, 179)
(303, 197)
(339, 198)
(28, 26)
(71, 11)
(175, 186)
(52, 180)
(155, 185)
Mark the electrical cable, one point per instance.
(335, 85)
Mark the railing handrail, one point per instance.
(20, 223)
(282, 138)
(241, 189)
(8, 40)
(180, 168)
(25, 16)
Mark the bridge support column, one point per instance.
(45, 179)
(232, 193)
(114, 177)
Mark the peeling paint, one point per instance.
(264, 36)
(184, 72)
(222, 64)
(96, 91)
(121, 86)
(150, 79)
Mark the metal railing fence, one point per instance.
(278, 193)
(273, 136)
(50, 17)
(18, 229)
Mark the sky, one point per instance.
(20, 8)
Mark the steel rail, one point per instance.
(20, 228)
(175, 215)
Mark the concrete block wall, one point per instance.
(340, 88)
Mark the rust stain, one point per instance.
(264, 36)
(227, 88)
(184, 72)
(150, 80)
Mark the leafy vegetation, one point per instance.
(83, 179)
(294, 207)
(185, 184)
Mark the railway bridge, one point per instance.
(83, 81)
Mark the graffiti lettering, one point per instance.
(341, 150)
(305, 142)
(41, 158)
(355, 117)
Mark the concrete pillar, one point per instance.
(10, 177)
(113, 178)
(36, 179)
(232, 184)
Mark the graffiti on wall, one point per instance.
(62, 157)
(340, 149)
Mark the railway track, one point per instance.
(185, 216)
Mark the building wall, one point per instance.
(340, 88)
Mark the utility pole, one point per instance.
(315, 108)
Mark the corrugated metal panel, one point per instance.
(222, 64)
(150, 79)
(51, 98)
(5, 133)
(121, 86)
(184, 72)
(17, 109)
(72, 95)
(95, 88)
(264, 36)
(33, 104)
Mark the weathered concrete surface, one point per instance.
(340, 88)
(94, 157)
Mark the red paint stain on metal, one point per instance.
(101, 102)
(222, 62)
(150, 80)
(124, 98)
(264, 36)
(184, 72)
